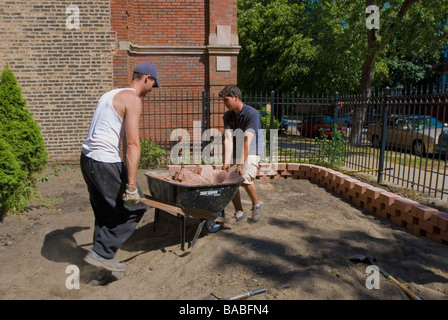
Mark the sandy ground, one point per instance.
(298, 251)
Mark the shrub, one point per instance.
(151, 155)
(331, 151)
(266, 124)
(12, 177)
(23, 151)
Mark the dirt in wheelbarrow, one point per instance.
(298, 250)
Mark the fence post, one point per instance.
(384, 132)
(336, 106)
(204, 112)
(271, 125)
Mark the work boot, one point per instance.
(109, 264)
(256, 212)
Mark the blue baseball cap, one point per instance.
(148, 68)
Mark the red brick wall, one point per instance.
(152, 25)
(63, 72)
(171, 24)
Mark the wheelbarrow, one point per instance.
(203, 201)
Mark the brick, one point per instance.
(305, 168)
(402, 208)
(444, 237)
(350, 194)
(285, 173)
(398, 221)
(373, 192)
(173, 167)
(388, 198)
(443, 221)
(190, 166)
(413, 228)
(426, 226)
(297, 175)
(384, 202)
(404, 204)
(361, 187)
(339, 179)
(331, 175)
(422, 212)
(280, 166)
(440, 220)
(349, 184)
(293, 166)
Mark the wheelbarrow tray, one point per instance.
(211, 198)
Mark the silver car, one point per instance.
(419, 134)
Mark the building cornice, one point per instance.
(184, 50)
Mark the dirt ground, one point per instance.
(298, 251)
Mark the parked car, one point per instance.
(283, 123)
(345, 120)
(419, 134)
(313, 126)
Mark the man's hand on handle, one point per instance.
(131, 195)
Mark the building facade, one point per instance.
(65, 55)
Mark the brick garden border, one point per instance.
(417, 218)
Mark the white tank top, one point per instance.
(106, 131)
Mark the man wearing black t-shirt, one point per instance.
(243, 123)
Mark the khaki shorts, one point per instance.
(250, 168)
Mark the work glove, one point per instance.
(131, 195)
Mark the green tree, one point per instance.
(407, 27)
(307, 46)
(21, 144)
(275, 55)
(322, 46)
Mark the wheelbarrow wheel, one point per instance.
(211, 225)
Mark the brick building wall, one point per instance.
(61, 71)
(64, 65)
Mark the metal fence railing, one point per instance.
(412, 154)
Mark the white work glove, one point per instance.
(131, 195)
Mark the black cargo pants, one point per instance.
(115, 220)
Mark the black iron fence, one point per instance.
(413, 123)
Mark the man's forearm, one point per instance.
(228, 148)
(132, 160)
(247, 141)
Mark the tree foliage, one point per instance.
(318, 46)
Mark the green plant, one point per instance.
(22, 148)
(55, 173)
(330, 151)
(151, 154)
(266, 125)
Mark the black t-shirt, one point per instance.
(248, 119)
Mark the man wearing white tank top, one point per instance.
(112, 181)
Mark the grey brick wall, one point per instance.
(62, 71)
